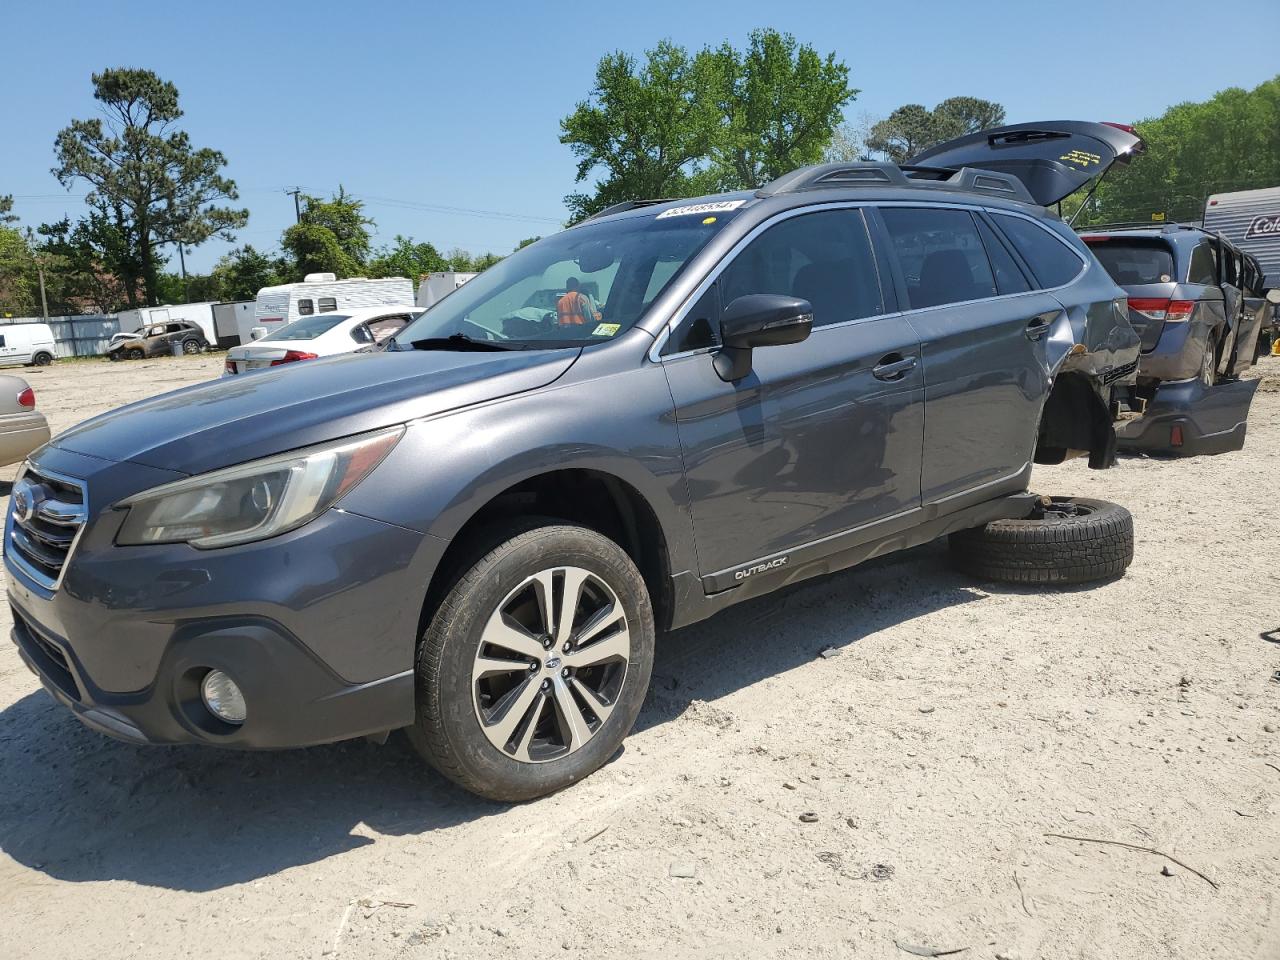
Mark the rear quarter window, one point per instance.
(1203, 265)
(1050, 259)
(1132, 261)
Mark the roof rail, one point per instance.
(869, 173)
(1162, 226)
(624, 206)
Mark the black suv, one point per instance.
(477, 533)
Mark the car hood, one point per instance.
(236, 419)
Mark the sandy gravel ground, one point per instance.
(959, 724)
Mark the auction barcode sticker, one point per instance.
(716, 206)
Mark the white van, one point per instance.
(26, 344)
(324, 293)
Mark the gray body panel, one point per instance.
(811, 460)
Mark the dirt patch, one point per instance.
(773, 802)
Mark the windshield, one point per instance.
(308, 329)
(1134, 261)
(578, 287)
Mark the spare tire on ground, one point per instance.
(1065, 540)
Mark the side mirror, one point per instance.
(759, 320)
(1273, 295)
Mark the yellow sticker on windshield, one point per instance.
(709, 220)
(605, 330)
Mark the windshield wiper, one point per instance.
(458, 341)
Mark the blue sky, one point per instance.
(419, 105)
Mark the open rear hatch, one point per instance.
(1052, 159)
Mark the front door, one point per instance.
(821, 437)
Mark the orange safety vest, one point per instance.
(574, 309)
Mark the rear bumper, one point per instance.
(20, 434)
(1206, 420)
(293, 700)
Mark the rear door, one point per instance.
(1052, 159)
(983, 330)
(823, 437)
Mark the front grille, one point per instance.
(46, 514)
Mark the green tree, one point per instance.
(333, 236)
(484, 261)
(914, 127)
(245, 270)
(649, 127)
(781, 102)
(525, 242)
(1228, 142)
(19, 282)
(95, 258)
(405, 258)
(144, 173)
(6, 209)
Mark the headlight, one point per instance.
(254, 500)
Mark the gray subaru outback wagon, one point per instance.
(623, 428)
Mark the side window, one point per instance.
(156, 332)
(1009, 276)
(383, 328)
(701, 326)
(1050, 259)
(177, 327)
(306, 308)
(2, 340)
(941, 255)
(823, 257)
(327, 304)
(1202, 268)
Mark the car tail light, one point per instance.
(27, 398)
(1175, 435)
(292, 356)
(1159, 308)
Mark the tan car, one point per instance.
(22, 427)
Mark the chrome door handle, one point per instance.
(893, 367)
(1037, 327)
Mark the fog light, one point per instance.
(223, 697)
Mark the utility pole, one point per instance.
(297, 207)
(44, 301)
(182, 265)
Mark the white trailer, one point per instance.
(1251, 220)
(200, 314)
(324, 293)
(436, 286)
(233, 320)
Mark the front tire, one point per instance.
(535, 664)
(135, 354)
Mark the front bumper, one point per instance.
(317, 626)
(294, 700)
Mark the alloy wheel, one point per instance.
(550, 664)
